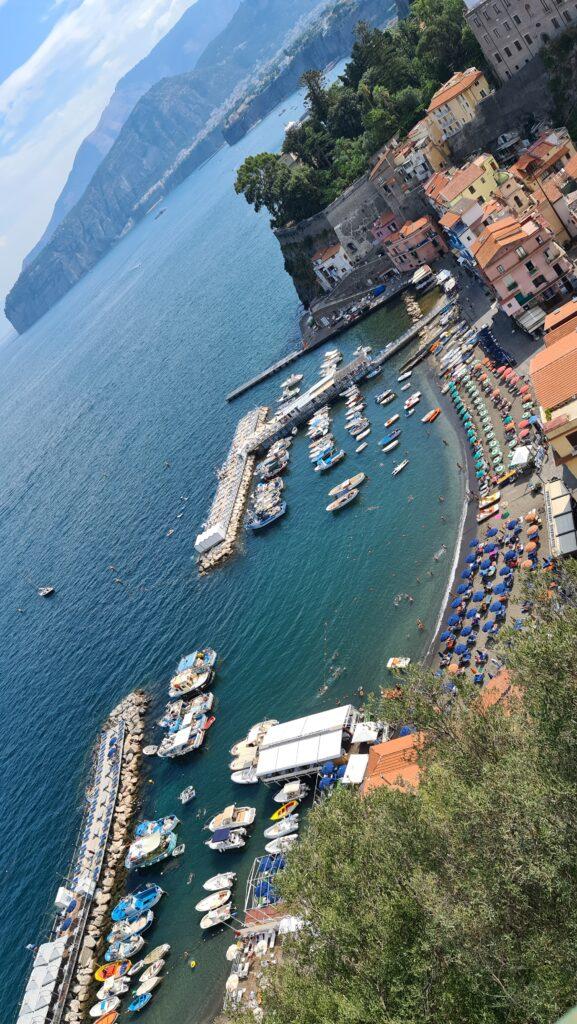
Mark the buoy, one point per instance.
(193, 964)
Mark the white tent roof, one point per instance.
(314, 750)
(310, 725)
(36, 999)
(49, 951)
(43, 975)
(366, 732)
(356, 768)
(520, 456)
(33, 1018)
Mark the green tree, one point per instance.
(345, 116)
(316, 98)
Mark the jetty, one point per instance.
(218, 537)
(61, 984)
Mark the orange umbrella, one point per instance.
(531, 546)
(527, 564)
(453, 668)
(532, 531)
(530, 517)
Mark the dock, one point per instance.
(234, 482)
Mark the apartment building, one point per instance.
(512, 32)
(416, 244)
(455, 104)
(330, 265)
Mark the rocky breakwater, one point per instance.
(131, 711)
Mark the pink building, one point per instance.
(522, 263)
(418, 242)
(386, 225)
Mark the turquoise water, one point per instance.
(127, 373)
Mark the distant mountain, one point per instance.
(176, 52)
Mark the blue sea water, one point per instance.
(111, 411)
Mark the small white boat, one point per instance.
(179, 850)
(284, 827)
(365, 433)
(389, 447)
(295, 790)
(225, 839)
(187, 795)
(153, 970)
(282, 844)
(232, 817)
(398, 664)
(361, 447)
(104, 1006)
(155, 954)
(216, 917)
(404, 376)
(399, 468)
(406, 387)
(222, 881)
(113, 987)
(247, 777)
(148, 986)
(215, 900)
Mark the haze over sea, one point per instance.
(126, 374)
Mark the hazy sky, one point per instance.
(59, 63)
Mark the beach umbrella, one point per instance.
(456, 603)
(505, 571)
(527, 564)
(508, 419)
(492, 532)
(474, 543)
(461, 649)
(471, 613)
(533, 531)
(453, 620)
(486, 563)
(522, 424)
(509, 555)
(512, 524)
(232, 982)
(232, 952)
(446, 635)
(500, 589)
(453, 668)
(466, 574)
(462, 588)
(530, 517)
(488, 626)
(496, 607)
(480, 474)
(524, 433)
(466, 631)
(524, 389)
(478, 595)
(531, 546)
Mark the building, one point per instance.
(512, 32)
(520, 260)
(385, 226)
(304, 745)
(393, 764)
(561, 322)
(477, 180)
(331, 264)
(455, 104)
(417, 243)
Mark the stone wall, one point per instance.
(517, 101)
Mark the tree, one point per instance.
(345, 116)
(311, 143)
(350, 161)
(261, 180)
(316, 98)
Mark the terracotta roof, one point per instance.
(502, 234)
(552, 192)
(328, 253)
(436, 183)
(498, 689)
(457, 84)
(460, 181)
(560, 322)
(410, 226)
(449, 219)
(393, 764)
(570, 167)
(554, 372)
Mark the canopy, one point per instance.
(355, 770)
(221, 835)
(446, 635)
(521, 456)
(366, 732)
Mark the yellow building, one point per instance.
(478, 181)
(455, 103)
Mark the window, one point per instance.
(531, 266)
(508, 74)
(545, 5)
(500, 268)
(508, 52)
(572, 438)
(496, 8)
(517, 200)
(520, 252)
(528, 39)
(544, 37)
(516, 19)
(538, 281)
(477, 22)
(496, 33)
(511, 284)
(507, 26)
(519, 48)
(483, 93)
(566, 15)
(555, 22)
(472, 189)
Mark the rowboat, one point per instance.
(404, 376)
(109, 1018)
(153, 970)
(139, 1002)
(112, 987)
(104, 1006)
(215, 900)
(147, 986)
(285, 810)
(222, 881)
(282, 844)
(361, 447)
(391, 420)
(156, 954)
(116, 970)
(215, 917)
(430, 416)
(341, 502)
(389, 447)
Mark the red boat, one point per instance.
(210, 721)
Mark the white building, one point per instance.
(331, 265)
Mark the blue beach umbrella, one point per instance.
(489, 548)
(509, 554)
(461, 649)
(500, 589)
(486, 563)
(456, 603)
(470, 559)
(462, 588)
(489, 626)
(492, 532)
(453, 620)
(474, 543)
(446, 635)
(466, 631)
(512, 524)
(466, 574)
(478, 595)
(471, 613)
(496, 607)
(505, 571)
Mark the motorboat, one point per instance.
(113, 987)
(177, 710)
(104, 1006)
(156, 954)
(412, 400)
(365, 433)
(246, 777)
(202, 660)
(123, 950)
(431, 416)
(215, 917)
(139, 1002)
(141, 899)
(226, 839)
(296, 790)
(399, 468)
(153, 970)
(283, 827)
(183, 742)
(257, 521)
(329, 461)
(404, 376)
(162, 825)
(391, 446)
(223, 881)
(383, 396)
(409, 412)
(394, 434)
(148, 986)
(282, 844)
(115, 970)
(187, 795)
(290, 382)
(391, 420)
(136, 968)
(406, 387)
(374, 372)
(179, 850)
(125, 930)
(347, 485)
(150, 850)
(361, 448)
(345, 499)
(242, 763)
(284, 810)
(188, 681)
(232, 817)
(216, 899)
(398, 664)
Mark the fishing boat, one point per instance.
(216, 899)
(284, 810)
(345, 499)
(162, 825)
(347, 485)
(176, 711)
(139, 1002)
(361, 447)
(115, 970)
(257, 521)
(141, 899)
(223, 881)
(329, 461)
(202, 660)
(104, 1006)
(155, 954)
(188, 681)
(187, 795)
(232, 817)
(150, 850)
(184, 741)
(391, 420)
(147, 986)
(247, 777)
(113, 987)
(404, 376)
(46, 591)
(215, 917)
(399, 468)
(394, 434)
(431, 416)
(398, 664)
(296, 790)
(122, 950)
(153, 970)
(282, 844)
(486, 513)
(283, 827)
(226, 839)
(125, 930)
(391, 446)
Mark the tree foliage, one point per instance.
(384, 90)
(456, 902)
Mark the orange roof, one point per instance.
(460, 181)
(497, 689)
(410, 226)
(393, 764)
(457, 84)
(436, 183)
(554, 372)
(570, 167)
(560, 322)
(449, 219)
(502, 234)
(328, 253)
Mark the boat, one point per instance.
(257, 521)
(184, 741)
(431, 416)
(216, 899)
(104, 1006)
(282, 844)
(150, 750)
(113, 987)
(125, 930)
(401, 465)
(141, 899)
(295, 378)
(139, 1002)
(374, 372)
(122, 950)
(329, 461)
(242, 764)
(404, 376)
(176, 711)
(391, 446)
(361, 447)
(365, 433)
(490, 499)
(155, 954)
(345, 499)
(285, 810)
(202, 660)
(223, 881)
(486, 513)
(283, 827)
(153, 970)
(226, 839)
(383, 396)
(208, 722)
(296, 790)
(232, 817)
(247, 777)
(147, 986)
(115, 970)
(409, 412)
(179, 850)
(391, 420)
(46, 591)
(150, 850)
(187, 795)
(136, 968)
(398, 664)
(353, 481)
(215, 917)
(394, 434)
(162, 825)
(412, 400)
(406, 387)
(109, 1018)
(188, 681)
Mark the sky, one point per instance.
(59, 63)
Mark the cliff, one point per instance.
(172, 129)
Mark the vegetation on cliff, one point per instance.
(560, 59)
(385, 89)
(455, 902)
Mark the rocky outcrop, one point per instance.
(167, 135)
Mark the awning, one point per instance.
(561, 518)
(532, 319)
(520, 456)
(367, 732)
(356, 768)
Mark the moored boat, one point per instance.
(216, 917)
(391, 446)
(187, 795)
(361, 447)
(225, 839)
(232, 817)
(150, 850)
(391, 420)
(431, 416)
(285, 810)
(341, 502)
(104, 1006)
(328, 461)
(125, 930)
(283, 827)
(162, 825)
(156, 954)
(139, 1002)
(148, 986)
(216, 899)
(246, 777)
(115, 970)
(346, 485)
(392, 436)
(153, 970)
(141, 899)
(399, 468)
(123, 950)
(222, 881)
(282, 844)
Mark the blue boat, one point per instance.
(133, 905)
(258, 522)
(329, 460)
(139, 1002)
(389, 438)
(374, 372)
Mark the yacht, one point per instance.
(226, 839)
(232, 817)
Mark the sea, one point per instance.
(113, 422)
